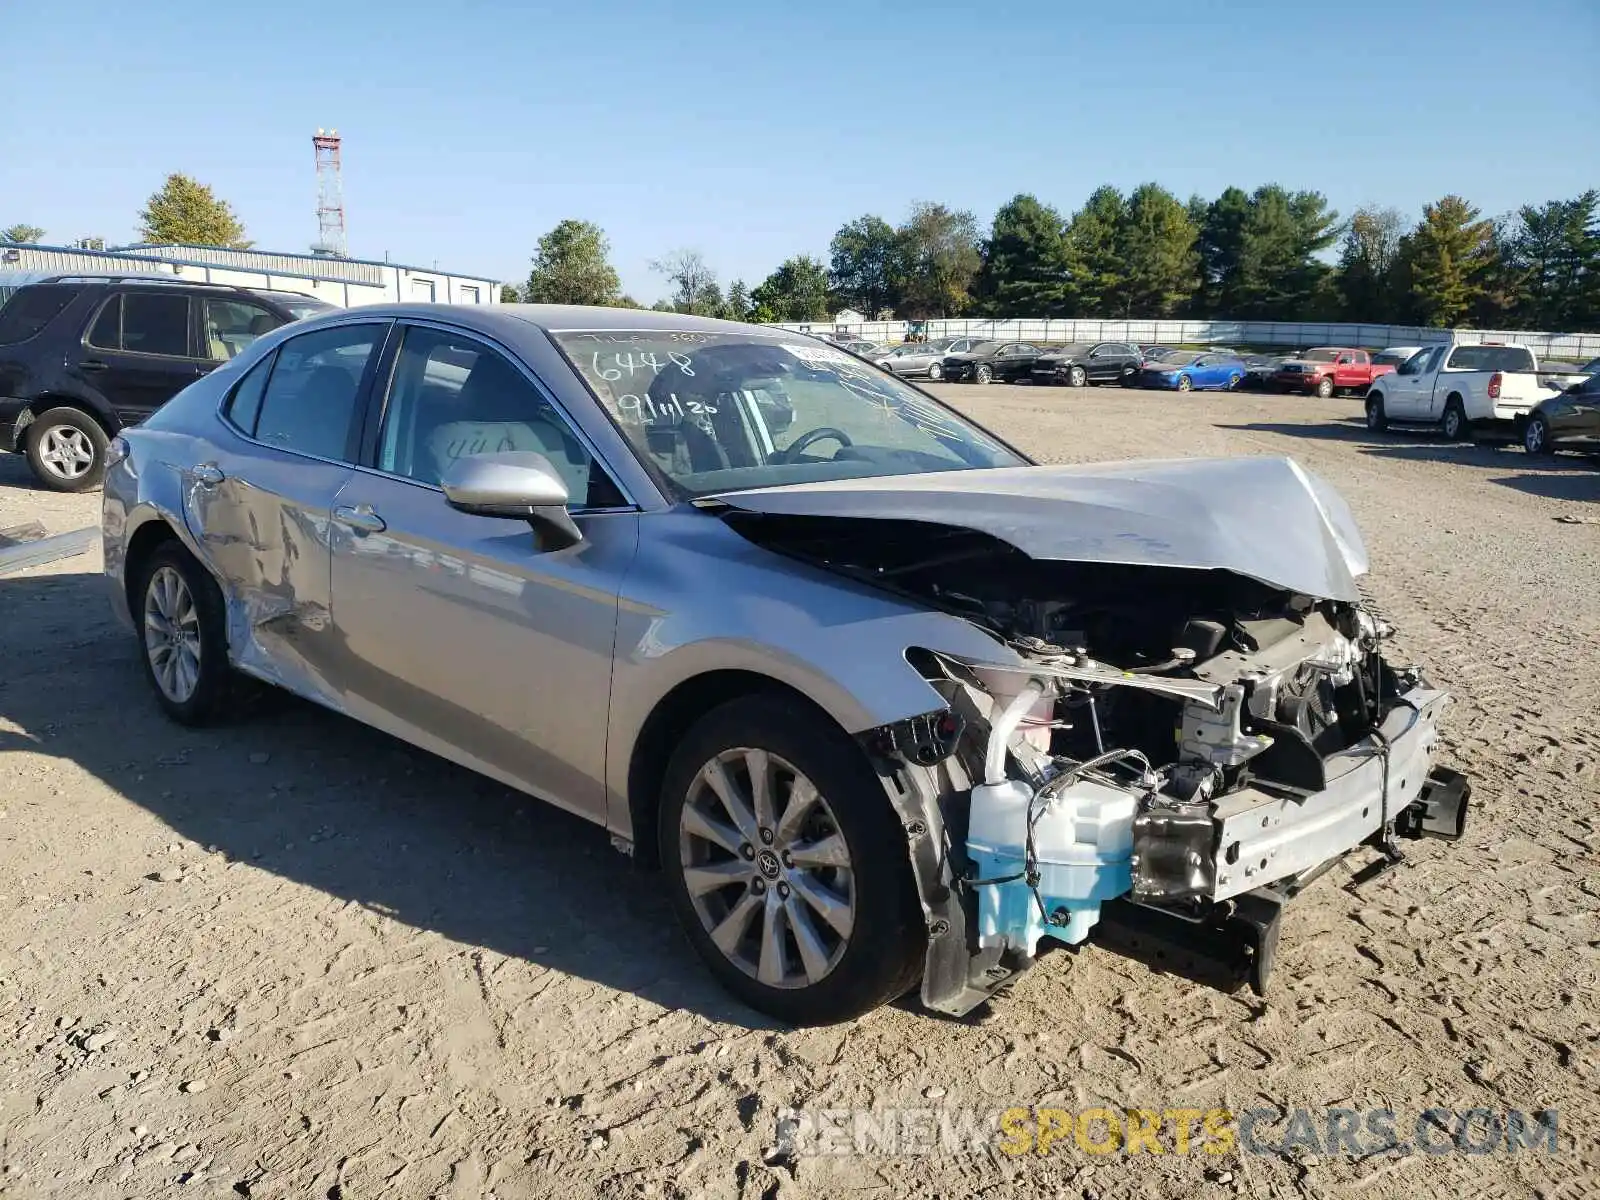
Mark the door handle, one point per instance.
(360, 518)
(93, 364)
(208, 474)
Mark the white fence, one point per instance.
(1572, 346)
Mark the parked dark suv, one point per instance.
(81, 356)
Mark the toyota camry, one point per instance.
(883, 700)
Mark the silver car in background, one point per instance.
(883, 700)
(924, 358)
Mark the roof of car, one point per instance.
(514, 321)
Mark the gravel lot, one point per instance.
(332, 966)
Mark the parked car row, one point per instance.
(1321, 371)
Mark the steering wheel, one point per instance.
(819, 434)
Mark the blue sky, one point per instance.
(751, 131)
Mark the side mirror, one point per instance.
(517, 484)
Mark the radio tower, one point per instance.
(330, 196)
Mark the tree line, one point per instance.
(1271, 254)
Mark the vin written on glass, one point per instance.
(612, 365)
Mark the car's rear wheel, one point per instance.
(983, 374)
(1324, 388)
(66, 450)
(1185, 384)
(935, 372)
(1454, 422)
(1377, 417)
(1077, 377)
(786, 864)
(1536, 436)
(179, 612)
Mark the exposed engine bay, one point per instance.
(1179, 749)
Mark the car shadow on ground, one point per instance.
(332, 804)
(14, 473)
(1422, 445)
(1574, 485)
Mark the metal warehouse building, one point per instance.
(346, 282)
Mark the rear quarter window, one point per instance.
(1492, 358)
(31, 309)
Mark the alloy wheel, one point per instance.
(767, 868)
(1533, 438)
(66, 452)
(1077, 377)
(935, 372)
(172, 634)
(1185, 383)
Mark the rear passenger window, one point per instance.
(244, 406)
(155, 324)
(30, 309)
(107, 331)
(309, 404)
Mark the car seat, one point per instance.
(496, 410)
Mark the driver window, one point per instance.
(452, 398)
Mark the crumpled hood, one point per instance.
(1266, 518)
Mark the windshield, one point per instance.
(717, 412)
(299, 306)
(1176, 358)
(1319, 355)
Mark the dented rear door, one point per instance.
(260, 502)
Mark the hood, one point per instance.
(1266, 518)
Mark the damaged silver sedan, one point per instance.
(883, 700)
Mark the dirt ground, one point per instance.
(294, 958)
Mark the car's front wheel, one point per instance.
(1185, 384)
(786, 864)
(1324, 388)
(984, 373)
(935, 372)
(66, 450)
(1377, 415)
(1077, 377)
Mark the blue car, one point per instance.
(1189, 370)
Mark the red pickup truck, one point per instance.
(1328, 369)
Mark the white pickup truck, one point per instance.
(1465, 389)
